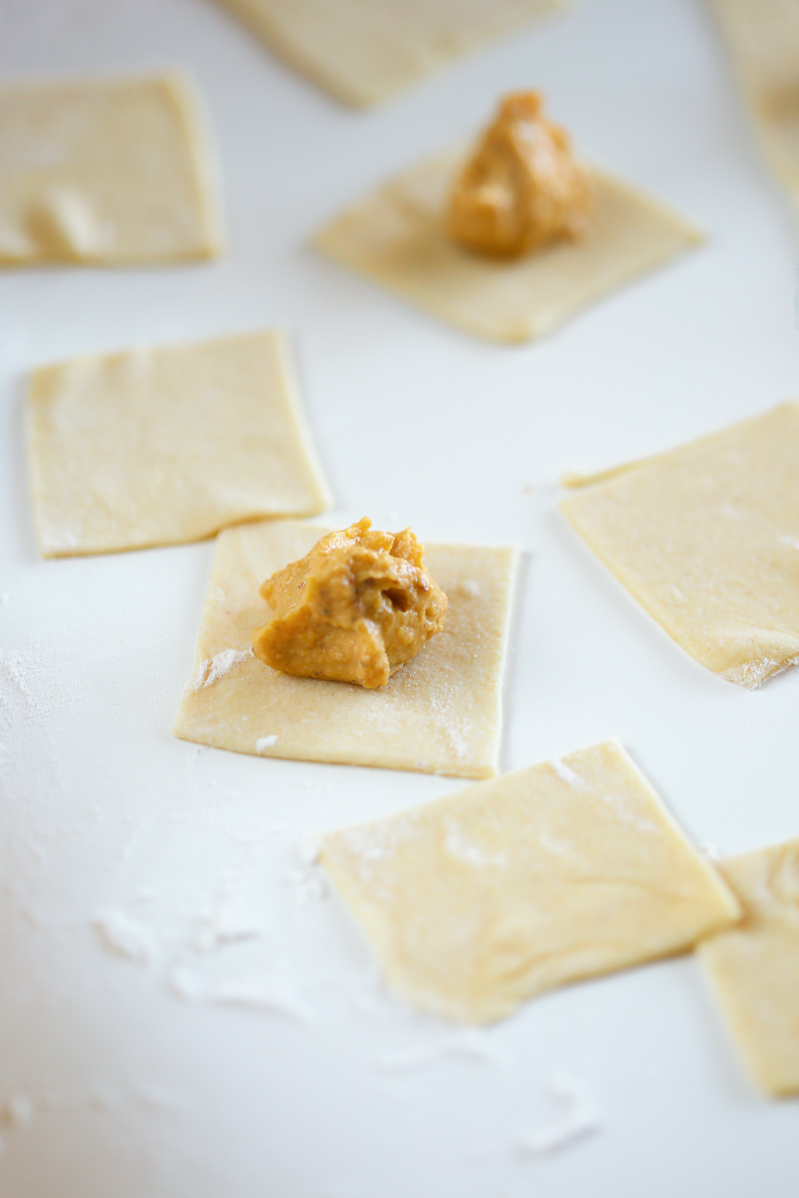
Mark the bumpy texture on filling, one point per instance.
(354, 609)
(521, 188)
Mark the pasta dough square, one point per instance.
(105, 170)
(755, 968)
(706, 538)
(363, 51)
(440, 713)
(763, 37)
(396, 235)
(162, 446)
(558, 872)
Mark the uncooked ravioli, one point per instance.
(565, 870)
(440, 713)
(397, 235)
(105, 170)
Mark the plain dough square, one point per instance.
(706, 538)
(441, 713)
(105, 170)
(396, 235)
(763, 37)
(363, 51)
(755, 968)
(167, 445)
(562, 871)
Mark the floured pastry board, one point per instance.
(189, 1008)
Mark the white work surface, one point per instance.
(243, 1047)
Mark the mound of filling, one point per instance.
(354, 609)
(522, 187)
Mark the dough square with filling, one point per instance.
(165, 445)
(754, 968)
(363, 51)
(706, 538)
(763, 37)
(440, 713)
(397, 236)
(105, 170)
(561, 871)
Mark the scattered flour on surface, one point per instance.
(567, 774)
(126, 937)
(578, 1122)
(157, 1097)
(305, 879)
(214, 668)
(467, 1046)
(34, 683)
(17, 1111)
(231, 920)
(267, 995)
(104, 1098)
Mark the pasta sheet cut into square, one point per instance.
(706, 538)
(763, 37)
(105, 170)
(562, 871)
(397, 236)
(363, 51)
(755, 967)
(440, 713)
(167, 445)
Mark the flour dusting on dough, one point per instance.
(266, 742)
(214, 668)
(469, 588)
(377, 842)
(459, 846)
(628, 813)
(751, 674)
(567, 774)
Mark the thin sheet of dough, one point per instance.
(441, 713)
(755, 967)
(363, 51)
(396, 235)
(763, 37)
(562, 871)
(105, 170)
(167, 445)
(706, 538)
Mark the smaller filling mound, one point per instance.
(354, 609)
(522, 187)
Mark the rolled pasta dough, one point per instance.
(561, 871)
